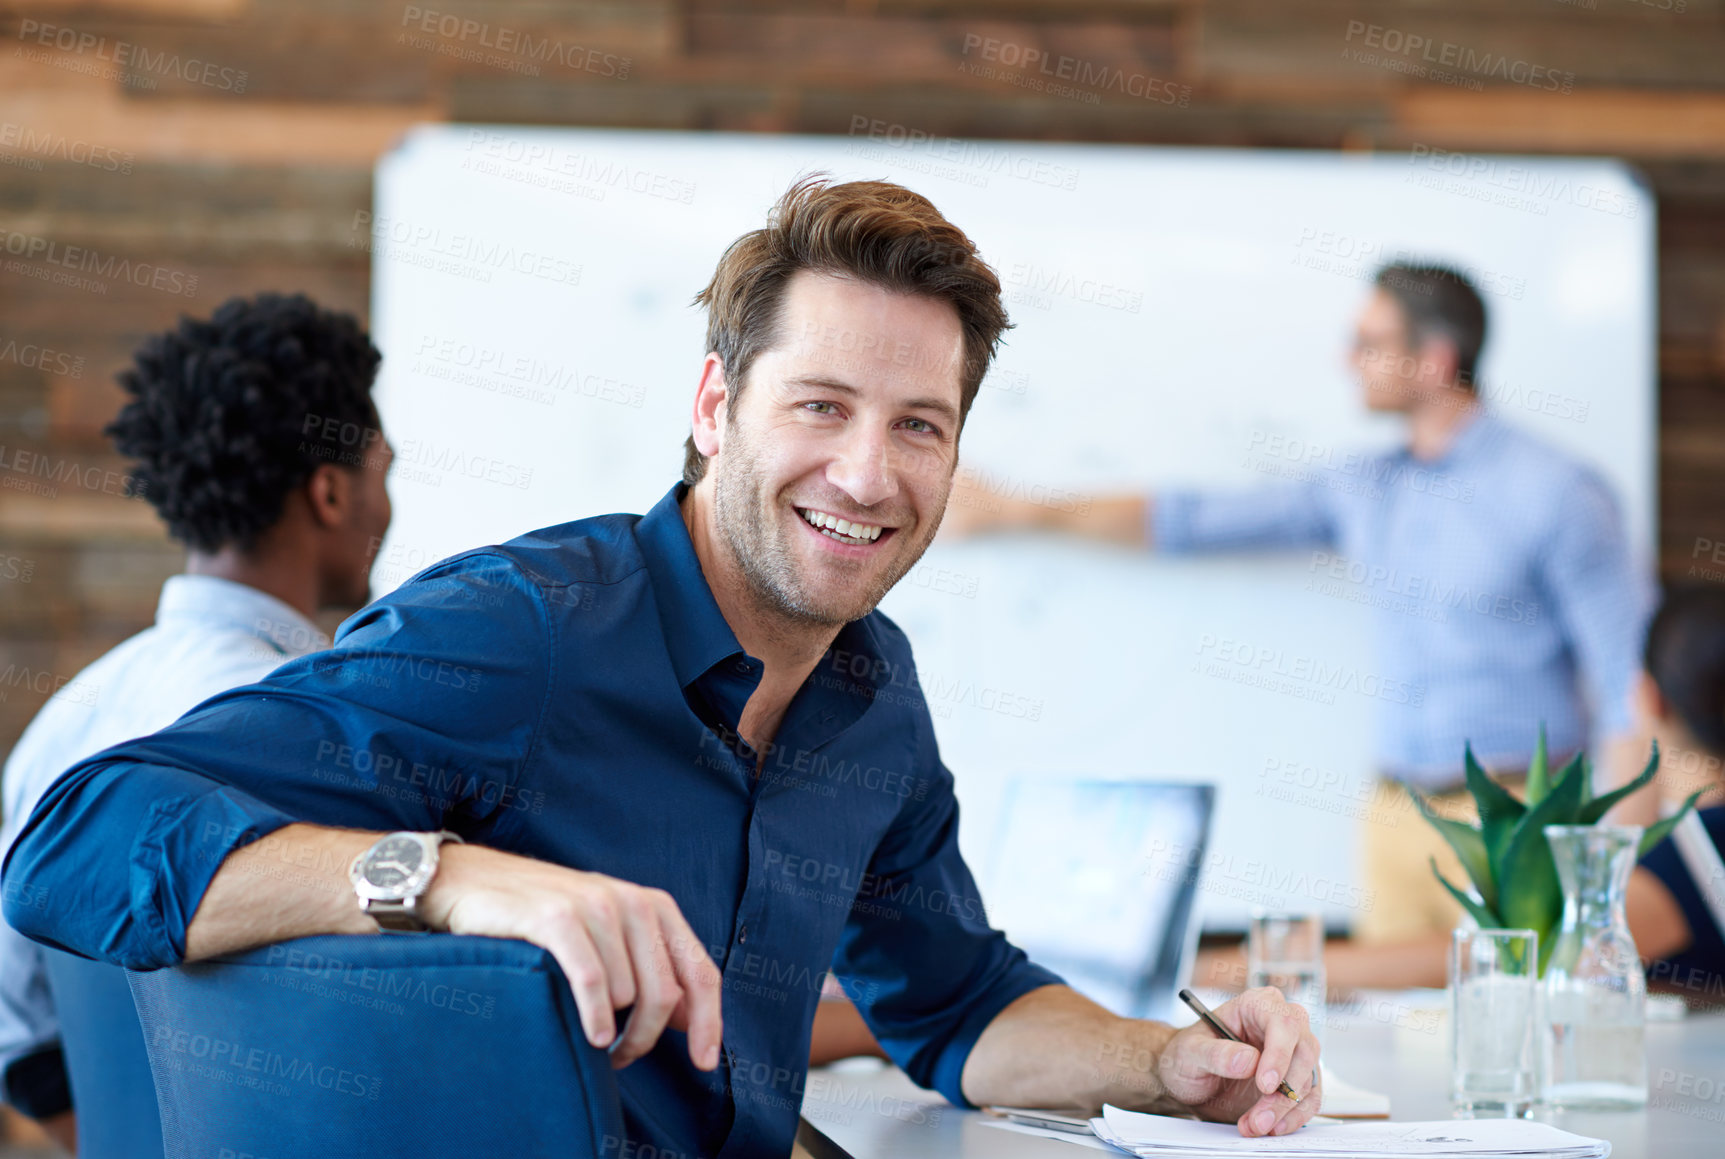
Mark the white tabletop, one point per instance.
(876, 1114)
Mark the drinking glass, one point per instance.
(1286, 950)
(1493, 995)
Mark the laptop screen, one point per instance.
(1097, 881)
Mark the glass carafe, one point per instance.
(1595, 996)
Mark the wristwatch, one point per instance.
(392, 876)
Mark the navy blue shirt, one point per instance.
(1699, 968)
(573, 695)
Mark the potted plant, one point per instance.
(1506, 855)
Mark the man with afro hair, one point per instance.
(256, 440)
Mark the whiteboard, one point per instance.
(1179, 312)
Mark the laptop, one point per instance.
(1098, 881)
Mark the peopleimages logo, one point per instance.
(1276, 669)
(257, 1063)
(1422, 52)
(22, 468)
(1082, 73)
(56, 147)
(964, 153)
(529, 51)
(1520, 186)
(82, 259)
(1379, 470)
(34, 357)
(1249, 878)
(128, 55)
(403, 984)
(1450, 593)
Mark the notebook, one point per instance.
(1342, 1100)
(1171, 1138)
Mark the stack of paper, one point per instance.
(1159, 1135)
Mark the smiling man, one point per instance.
(677, 747)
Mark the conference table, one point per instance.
(872, 1111)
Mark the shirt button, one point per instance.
(742, 935)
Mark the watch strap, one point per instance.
(395, 918)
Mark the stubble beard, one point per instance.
(745, 517)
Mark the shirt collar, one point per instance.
(1480, 432)
(697, 634)
(208, 601)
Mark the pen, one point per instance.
(1203, 1012)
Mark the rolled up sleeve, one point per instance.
(918, 938)
(1297, 515)
(419, 717)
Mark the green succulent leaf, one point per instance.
(1600, 806)
(1481, 913)
(1660, 830)
(1538, 780)
(1498, 809)
(1548, 940)
(1468, 843)
(1582, 773)
(1528, 891)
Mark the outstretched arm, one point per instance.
(1281, 516)
(973, 508)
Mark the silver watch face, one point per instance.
(396, 867)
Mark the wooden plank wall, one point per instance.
(229, 143)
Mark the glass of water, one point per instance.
(1493, 992)
(1286, 950)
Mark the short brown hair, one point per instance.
(1439, 302)
(874, 231)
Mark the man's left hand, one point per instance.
(1237, 1081)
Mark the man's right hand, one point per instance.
(620, 944)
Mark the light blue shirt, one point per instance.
(1499, 574)
(210, 635)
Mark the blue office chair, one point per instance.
(112, 1093)
(394, 1046)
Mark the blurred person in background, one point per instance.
(1498, 566)
(1680, 697)
(257, 441)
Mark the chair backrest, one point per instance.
(391, 1046)
(1098, 881)
(112, 1093)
